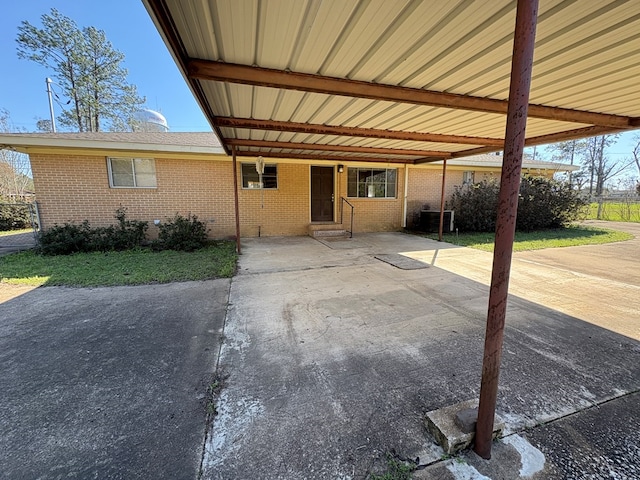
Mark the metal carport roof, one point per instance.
(399, 80)
(409, 81)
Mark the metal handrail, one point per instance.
(344, 200)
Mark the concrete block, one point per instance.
(442, 425)
(466, 419)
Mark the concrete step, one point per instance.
(330, 233)
(327, 230)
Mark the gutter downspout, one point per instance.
(235, 198)
(444, 182)
(406, 194)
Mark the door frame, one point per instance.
(333, 187)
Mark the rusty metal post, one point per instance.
(235, 198)
(521, 66)
(444, 179)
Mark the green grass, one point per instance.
(4, 233)
(396, 470)
(615, 212)
(134, 267)
(562, 237)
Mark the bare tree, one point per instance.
(15, 169)
(636, 152)
(568, 152)
(601, 167)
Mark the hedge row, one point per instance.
(180, 233)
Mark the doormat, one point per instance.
(402, 262)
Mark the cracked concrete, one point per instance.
(340, 355)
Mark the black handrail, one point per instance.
(344, 200)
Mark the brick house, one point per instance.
(155, 175)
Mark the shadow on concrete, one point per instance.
(333, 360)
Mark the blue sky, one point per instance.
(129, 28)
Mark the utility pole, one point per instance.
(53, 119)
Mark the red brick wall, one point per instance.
(72, 188)
(425, 188)
(373, 214)
(285, 211)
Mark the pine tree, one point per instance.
(87, 69)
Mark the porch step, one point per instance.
(327, 230)
(330, 233)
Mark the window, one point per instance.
(468, 178)
(251, 179)
(132, 172)
(371, 182)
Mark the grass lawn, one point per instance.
(562, 237)
(616, 212)
(135, 267)
(5, 233)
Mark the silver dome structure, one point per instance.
(147, 120)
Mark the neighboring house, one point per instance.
(87, 176)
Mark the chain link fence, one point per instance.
(617, 209)
(19, 226)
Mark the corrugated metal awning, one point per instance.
(399, 80)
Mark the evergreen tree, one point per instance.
(87, 69)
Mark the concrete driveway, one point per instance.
(333, 356)
(107, 382)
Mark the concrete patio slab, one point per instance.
(334, 357)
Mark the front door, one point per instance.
(322, 194)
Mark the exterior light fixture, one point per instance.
(340, 168)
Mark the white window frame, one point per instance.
(386, 183)
(133, 172)
(255, 185)
(468, 177)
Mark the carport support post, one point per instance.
(444, 180)
(235, 198)
(521, 66)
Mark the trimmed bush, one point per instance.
(182, 233)
(70, 238)
(127, 234)
(475, 206)
(65, 239)
(542, 204)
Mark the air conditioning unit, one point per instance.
(430, 221)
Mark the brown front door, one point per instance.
(322, 194)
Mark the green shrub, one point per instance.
(66, 239)
(182, 233)
(545, 203)
(70, 238)
(127, 234)
(475, 206)
(14, 217)
(542, 204)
